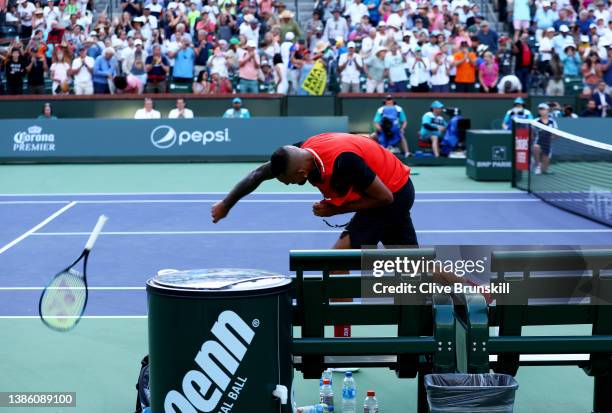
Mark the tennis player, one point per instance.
(354, 174)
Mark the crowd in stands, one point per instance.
(256, 46)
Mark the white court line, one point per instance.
(255, 201)
(73, 288)
(76, 194)
(37, 227)
(324, 231)
(91, 317)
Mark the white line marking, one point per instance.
(37, 227)
(255, 201)
(324, 231)
(91, 317)
(73, 288)
(289, 193)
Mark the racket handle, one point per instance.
(96, 231)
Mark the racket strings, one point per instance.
(64, 299)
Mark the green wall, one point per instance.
(485, 111)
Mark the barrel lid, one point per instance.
(218, 280)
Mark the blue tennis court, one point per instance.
(148, 232)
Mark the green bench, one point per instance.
(425, 340)
(538, 304)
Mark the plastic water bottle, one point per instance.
(327, 374)
(317, 408)
(327, 395)
(349, 394)
(370, 405)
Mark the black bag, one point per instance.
(143, 398)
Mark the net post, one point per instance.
(513, 154)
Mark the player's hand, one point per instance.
(323, 209)
(218, 211)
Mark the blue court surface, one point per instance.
(40, 234)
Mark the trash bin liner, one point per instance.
(470, 393)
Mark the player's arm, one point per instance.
(351, 172)
(247, 185)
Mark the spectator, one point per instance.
(465, 62)
(184, 63)
(518, 111)
(237, 111)
(488, 74)
(390, 122)
(544, 18)
(433, 127)
(355, 11)
(603, 100)
(47, 112)
(336, 27)
(395, 64)
(440, 71)
(266, 77)
(521, 16)
(147, 112)
(591, 72)
(157, 67)
(181, 111)
(555, 86)
(542, 144)
(36, 69)
(249, 68)
(505, 57)
(25, 11)
(81, 71)
(105, 68)
(488, 37)
(219, 84)
(568, 112)
(420, 74)
(350, 66)
(59, 70)
(376, 71)
(287, 24)
(15, 70)
(546, 50)
(201, 86)
(280, 70)
(571, 62)
(524, 59)
(127, 84)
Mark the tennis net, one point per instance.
(576, 175)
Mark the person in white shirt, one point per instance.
(336, 27)
(398, 19)
(81, 71)
(395, 63)
(25, 11)
(546, 49)
(356, 11)
(420, 74)
(147, 112)
(440, 71)
(367, 44)
(285, 47)
(250, 28)
(601, 12)
(350, 66)
(181, 111)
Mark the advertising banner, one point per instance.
(202, 139)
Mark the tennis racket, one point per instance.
(62, 302)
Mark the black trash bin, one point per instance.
(470, 393)
(220, 341)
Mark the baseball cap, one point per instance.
(350, 44)
(137, 42)
(436, 104)
(543, 106)
(519, 101)
(564, 28)
(236, 100)
(550, 30)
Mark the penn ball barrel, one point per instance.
(219, 341)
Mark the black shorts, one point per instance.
(544, 142)
(390, 225)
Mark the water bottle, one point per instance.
(327, 395)
(327, 374)
(349, 394)
(317, 408)
(370, 405)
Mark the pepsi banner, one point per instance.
(122, 140)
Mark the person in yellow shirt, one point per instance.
(465, 62)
